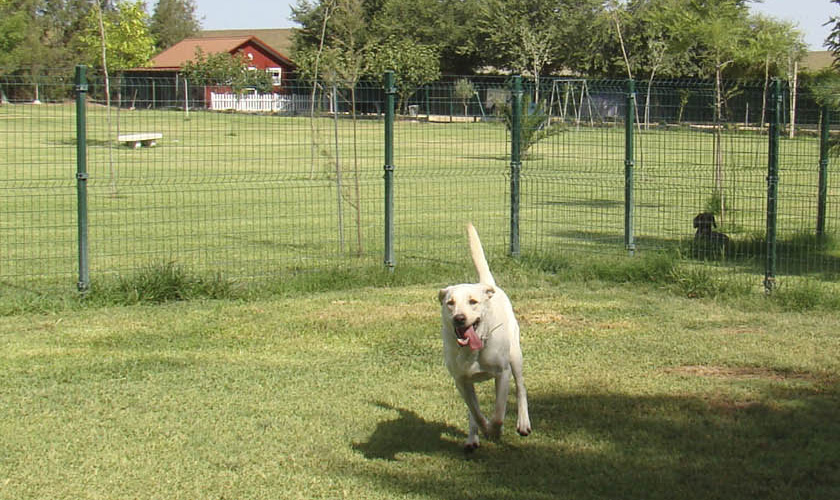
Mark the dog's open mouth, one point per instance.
(466, 336)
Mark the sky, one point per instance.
(252, 14)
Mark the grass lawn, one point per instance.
(635, 392)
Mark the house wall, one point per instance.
(262, 60)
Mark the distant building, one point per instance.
(817, 60)
(278, 39)
(159, 83)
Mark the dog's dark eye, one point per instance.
(473, 302)
(450, 302)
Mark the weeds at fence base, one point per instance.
(162, 282)
(169, 281)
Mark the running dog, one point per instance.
(481, 341)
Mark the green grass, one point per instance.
(333, 386)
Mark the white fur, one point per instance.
(485, 306)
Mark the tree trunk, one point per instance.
(338, 181)
(793, 89)
(313, 143)
(764, 91)
(718, 146)
(356, 176)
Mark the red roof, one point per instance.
(176, 56)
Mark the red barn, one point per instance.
(256, 52)
(166, 66)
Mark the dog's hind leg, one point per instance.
(523, 420)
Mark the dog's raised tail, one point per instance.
(478, 258)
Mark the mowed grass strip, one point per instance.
(635, 393)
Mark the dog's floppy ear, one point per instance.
(442, 294)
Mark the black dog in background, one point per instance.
(707, 241)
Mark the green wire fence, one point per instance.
(105, 180)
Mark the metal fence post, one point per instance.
(823, 179)
(515, 163)
(390, 91)
(629, 164)
(82, 177)
(773, 183)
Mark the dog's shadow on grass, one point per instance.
(407, 433)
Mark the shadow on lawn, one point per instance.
(611, 446)
(407, 433)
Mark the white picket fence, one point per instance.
(253, 103)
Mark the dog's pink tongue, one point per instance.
(473, 339)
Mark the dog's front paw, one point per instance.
(471, 444)
(523, 427)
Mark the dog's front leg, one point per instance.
(477, 420)
(502, 388)
(472, 441)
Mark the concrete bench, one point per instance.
(147, 139)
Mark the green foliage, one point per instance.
(534, 123)
(13, 27)
(225, 69)
(413, 65)
(464, 92)
(805, 295)
(714, 203)
(173, 21)
(826, 90)
(159, 283)
(833, 39)
(525, 35)
(128, 43)
(447, 26)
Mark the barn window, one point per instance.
(276, 75)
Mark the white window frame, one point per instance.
(276, 75)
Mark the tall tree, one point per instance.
(718, 33)
(538, 36)
(13, 27)
(173, 21)
(653, 45)
(448, 26)
(526, 34)
(347, 63)
(51, 27)
(833, 39)
(413, 65)
(773, 46)
(828, 88)
(126, 37)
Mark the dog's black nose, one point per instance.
(459, 319)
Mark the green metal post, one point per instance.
(823, 179)
(390, 91)
(629, 165)
(82, 177)
(515, 163)
(773, 183)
